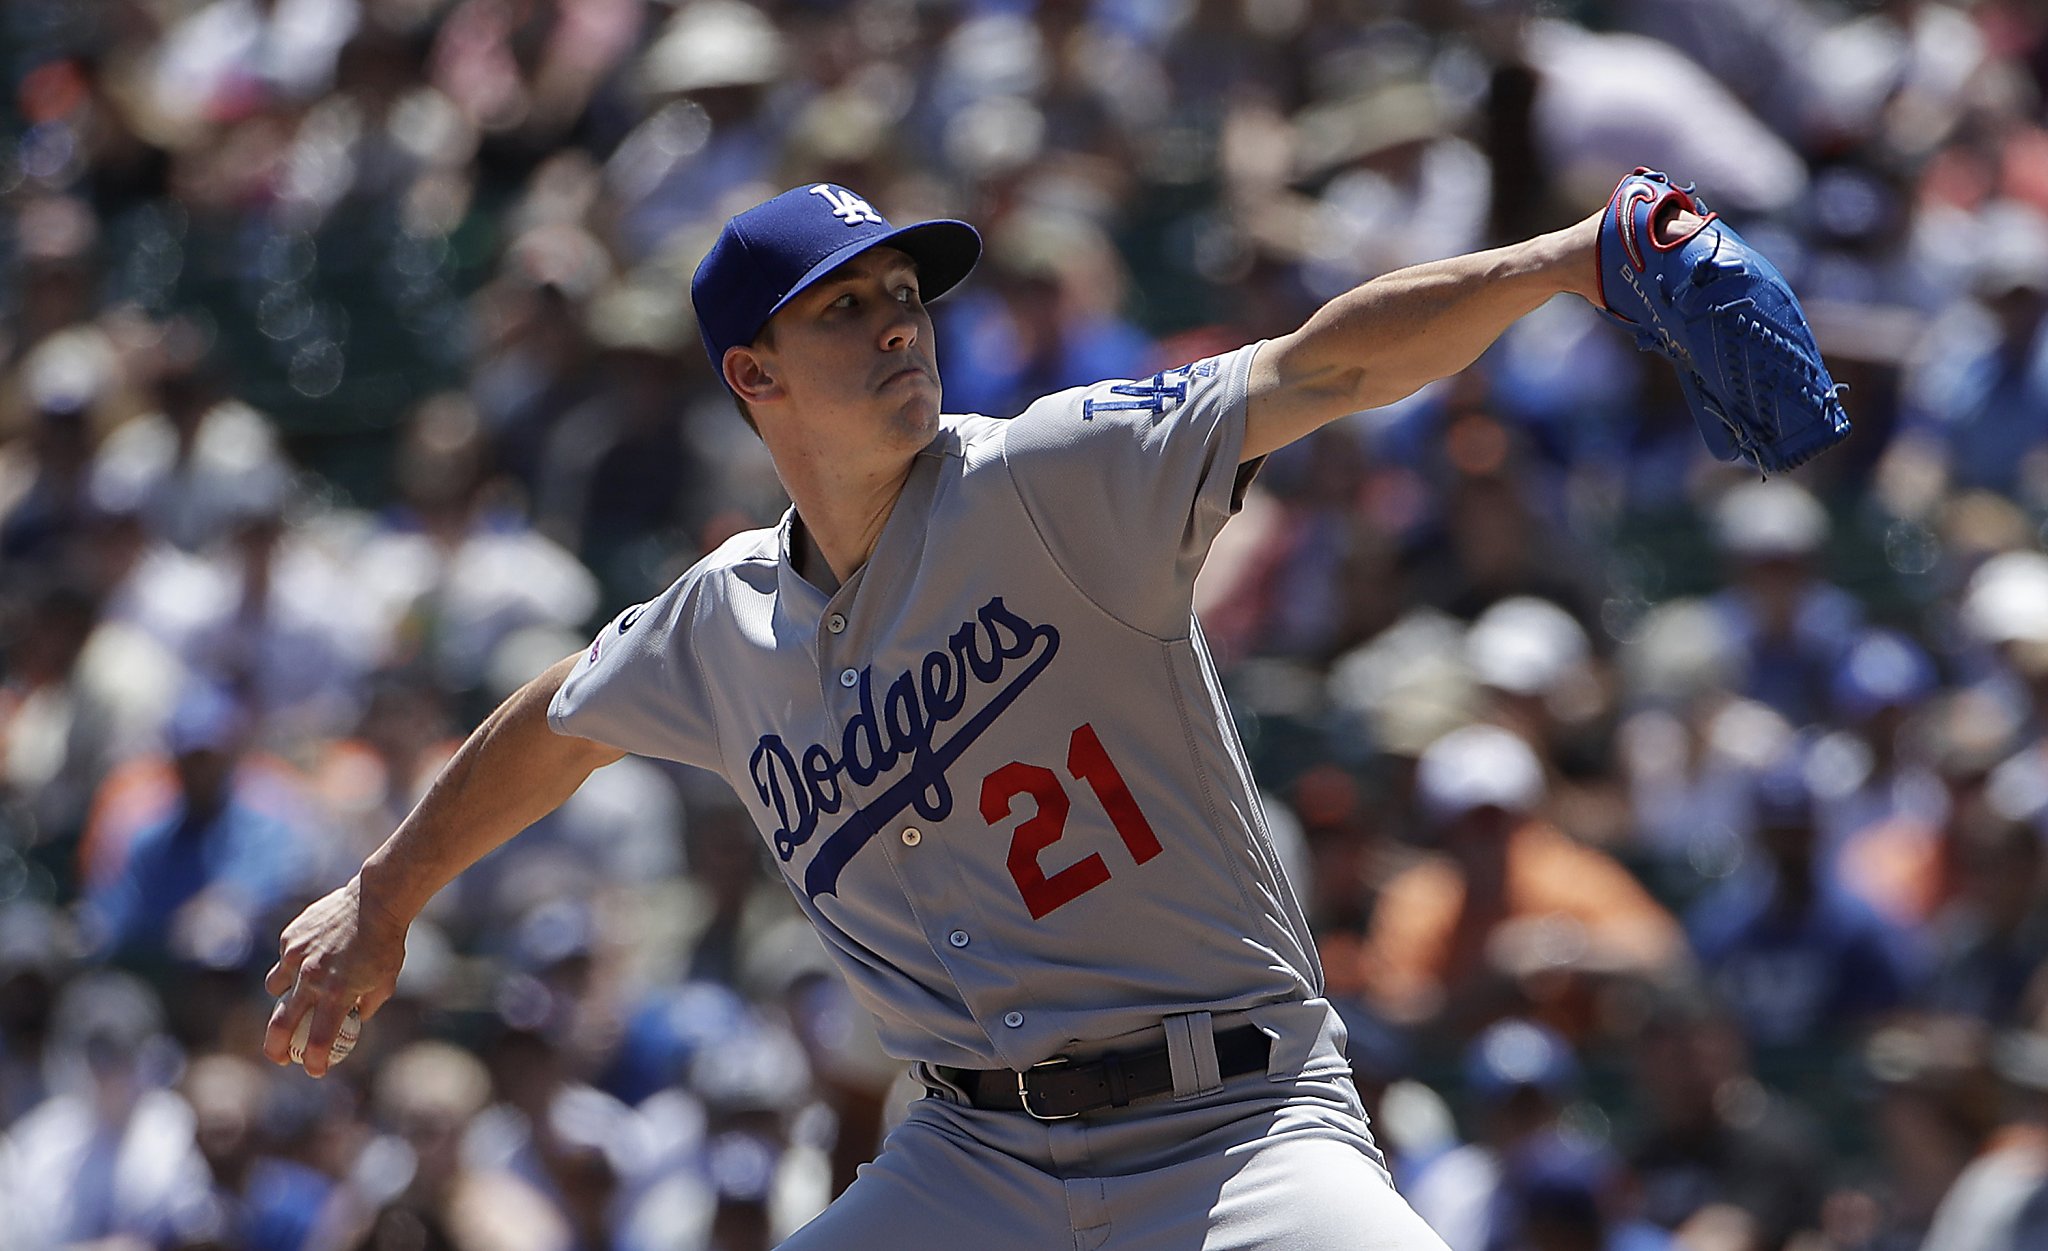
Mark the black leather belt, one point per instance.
(1059, 1089)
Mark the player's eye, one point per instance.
(907, 294)
(844, 301)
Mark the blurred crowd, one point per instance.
(1673, 840)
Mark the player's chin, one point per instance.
(914, 416)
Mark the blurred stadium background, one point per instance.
(1673, 839)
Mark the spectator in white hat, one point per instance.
(1536, 665)
(1791, 627)
(1973, 401)
(1459, 938)
(2005, 612)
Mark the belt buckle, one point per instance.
(1024, 1090)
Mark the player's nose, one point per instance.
(899, 328)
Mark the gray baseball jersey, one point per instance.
(995, 765)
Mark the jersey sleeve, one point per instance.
(1128, 482)
(638, 686)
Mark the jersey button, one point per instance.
(848, 677)
(912, 836)
(836, 623)
(958, 938)
(1013, 1018)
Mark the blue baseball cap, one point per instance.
(206, 718)
(1884, 669)
(769, 253)
(1781, 792)
(1517, 1054)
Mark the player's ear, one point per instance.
(747, 374)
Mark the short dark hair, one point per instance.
(766, 338)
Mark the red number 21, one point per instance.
(1087, 762)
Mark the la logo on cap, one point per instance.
(847, 206)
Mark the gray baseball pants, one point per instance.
(1274, 1161)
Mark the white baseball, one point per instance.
(344, 1042)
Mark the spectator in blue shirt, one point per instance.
(1975, 403)
(1042, 323)
(1792, 953)
(198, 881)
(1790, 625)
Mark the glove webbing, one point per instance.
(1766, 370)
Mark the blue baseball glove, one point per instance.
(1747, 363)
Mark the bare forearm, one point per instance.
(344, 951)
(1399, 332)
(511, 772)
(1415, 325)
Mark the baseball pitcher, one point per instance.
(961, 689)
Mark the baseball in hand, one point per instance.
(344, 1042)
